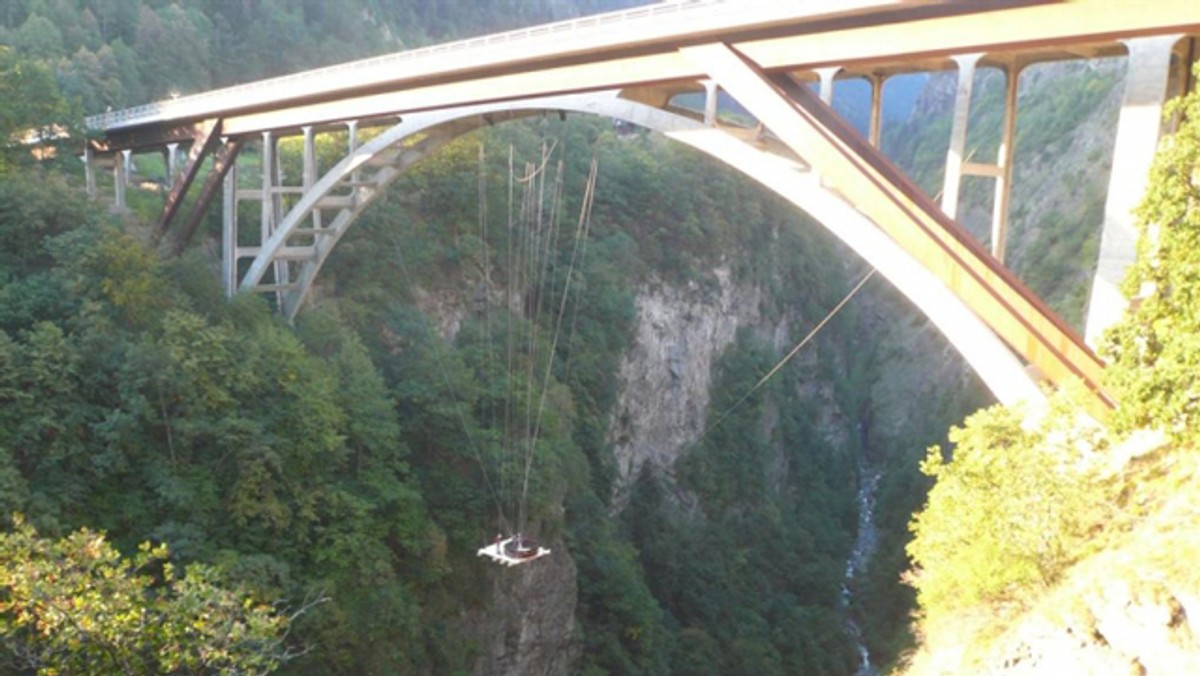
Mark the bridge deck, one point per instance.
(640, 46)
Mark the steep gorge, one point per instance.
(880, 387)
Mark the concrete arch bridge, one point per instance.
(633, 66)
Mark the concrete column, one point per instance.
(271, 200)
(1004, 158)
(268, 187)
(827, 75)
(956, 155)
(711, 99)
(352, 142)
(309, 174)
(89, 170)
(281, 267)
(120, 176)
(876, 127)
(277, 194)
(172, 161)
(1138, 130)
(229, 232)
(127, 160)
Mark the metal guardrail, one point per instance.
(230, 97)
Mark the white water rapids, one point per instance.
(864, 546)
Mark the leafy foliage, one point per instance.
(1008, 513)
(74, 606)
(1156, 352)
(32, 99)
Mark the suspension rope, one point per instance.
(581, 232)
(462, 419)
(511, 273)
(531, 256)
(788, 357)
(489, 366)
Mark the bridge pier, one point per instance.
(89, 170)
(827, 76)
(1004, 162)
(959, 164)
(711, 102)
(875, 128)
(120, 178)
(956, 155)
(229, 257)
(272, 205)
(352, 144)
(1139, 128)
(309, 174)
(171, 161)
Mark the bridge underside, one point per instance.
(800, 150)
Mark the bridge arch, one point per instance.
(997, 366)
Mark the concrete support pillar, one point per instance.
(827, 75)
(956, 155)
(127, 160)
(89, 170)
(268, 187)
(171, 158)
(120, 176)
(1004, 158)
(271, 203)
(309, 174)
(229, 232)
(711, 99)
(277, 193)
(352, 143)
(876, 126)
(1138, 130)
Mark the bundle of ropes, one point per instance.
(542, 258)
(538, 291)
(540, 276)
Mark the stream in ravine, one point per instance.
(864, 546)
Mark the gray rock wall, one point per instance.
(665, 376)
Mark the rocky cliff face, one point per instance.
(665, 376)
(1118, 626)
(529, 627)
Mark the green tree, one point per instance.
(1156, 351)
(75, 606)
(29, 100)
(1008, 513)
(39, 38)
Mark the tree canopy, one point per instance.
(1156, 351)
(75, 606)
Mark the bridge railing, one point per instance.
(206, 103)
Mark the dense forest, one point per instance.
(331, 477)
